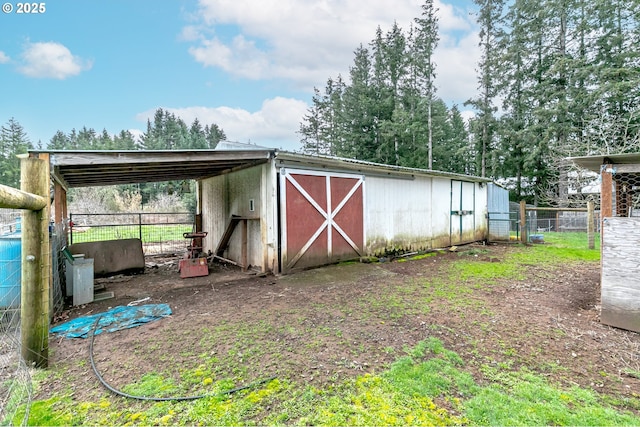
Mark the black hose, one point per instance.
(159, 399)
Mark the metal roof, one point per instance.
(84, 168)
(594, 163)
(361, 166)
(87, 168)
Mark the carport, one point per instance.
(72, 169)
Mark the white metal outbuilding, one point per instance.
(299, 211)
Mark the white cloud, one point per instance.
(51, 60)
(456, 63)
(306, 42)
(274, 125)
(4, 58)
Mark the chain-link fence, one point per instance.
(160, 233)
(15, 377)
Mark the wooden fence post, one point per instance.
(34, 312)
(590, 225)
(523, 221)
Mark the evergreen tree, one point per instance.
(213, 134)
(13, 141)
(359, 112)
(491, 33)
(425, 44)
(60, 141)
(124, 141)
(197, 137)
(310, 128)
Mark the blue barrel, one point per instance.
(10, 270)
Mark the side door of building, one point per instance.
(462, 212)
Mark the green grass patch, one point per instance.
(419, 256)
(524, 398)
(485, 272)
(147, 233)
(407, 392)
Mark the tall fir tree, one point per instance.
(425, 43)
(490, 17)
(13, 141)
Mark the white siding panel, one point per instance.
(406, 214)
(620, 282)
(441, 211)
(230, 194)
(481, 211)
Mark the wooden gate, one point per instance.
(321, 217)
(462, 212)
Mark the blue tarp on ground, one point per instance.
(118, 318)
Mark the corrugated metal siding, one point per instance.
(398, 214)
(481, 218)
(620, 287)
(416, 214)
(498, 207)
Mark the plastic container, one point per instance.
(537, 238)
(10, 270)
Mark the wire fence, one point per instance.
(160, 233)
(554, 223)
(15, 377)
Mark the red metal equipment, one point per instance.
(195, 262)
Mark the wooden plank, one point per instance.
(224, 241)
(101, 296)
(224, 260)
(626, 168)
(620, 286)
(557, 209)
(244, 250)
(591, 225)
(606, 189)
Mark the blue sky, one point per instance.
(249, 66)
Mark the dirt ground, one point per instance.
(325, 324)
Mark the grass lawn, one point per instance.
(428, 382)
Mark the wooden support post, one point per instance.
(606, 190)
(245, 261)
(606, 197)
(523, 221)
(34, 313)
(60, 209)
(590, 225)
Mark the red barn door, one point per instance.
(322, 218)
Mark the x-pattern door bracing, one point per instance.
(322, 217)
